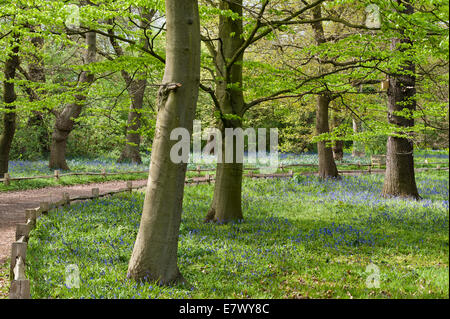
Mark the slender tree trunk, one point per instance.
(136, 90)
(131, 151)
(154, 254)
(226, 203)
(64, 122)
(400, 178)
(327, 165)
(338, 150)
(36, 73)
(338, 146)
(357, 148)
(9, 117)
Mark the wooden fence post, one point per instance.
(130, 186)
(20, 289)
(22, 230)
(31, 215)
(291, 173)
(6, 179)
(44, 207)
(56, 173)
(17, 249)
(198, 170)
(104, 173)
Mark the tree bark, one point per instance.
(131, 149)
(136, 91)
(64, 122)
(338, 150)
(9, 117)
(357, 148)
(327, 165)
(154, 254)
(226, 203)
(400, 178)
(338, 145)
(36, 73)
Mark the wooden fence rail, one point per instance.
(7, 178)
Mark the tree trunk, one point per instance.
(357, 148)
(36, 72)
(136, 90)
(400, 178)
(338, 145)
(338, 150)
(154, 254)
(131, 151)
(64, 122)
(226, 203)
(9, 117)
(327, 166)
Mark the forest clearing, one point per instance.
(224, 149)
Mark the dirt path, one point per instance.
(14, 203)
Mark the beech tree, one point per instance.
(400, 178)
(154, 254)
(228, 96)
(9, 97)
(65, 119)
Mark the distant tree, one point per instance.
(400, 178)
(65, 119)
(9, 97)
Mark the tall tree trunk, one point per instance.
(226, 203)
(136, 90)
(327, 165)
(9, 117)
(131, 151)
(36, 73)
(64, 122)
(357, 147)
(154, 254)
(400, 178)
(338, 145)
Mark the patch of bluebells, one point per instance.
(99, 235)
(20, 168)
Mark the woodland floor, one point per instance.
(14, 203)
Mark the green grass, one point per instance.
(4, 280)
(301, 238)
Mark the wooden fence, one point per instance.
(377, 161)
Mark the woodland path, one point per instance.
(14, 203)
